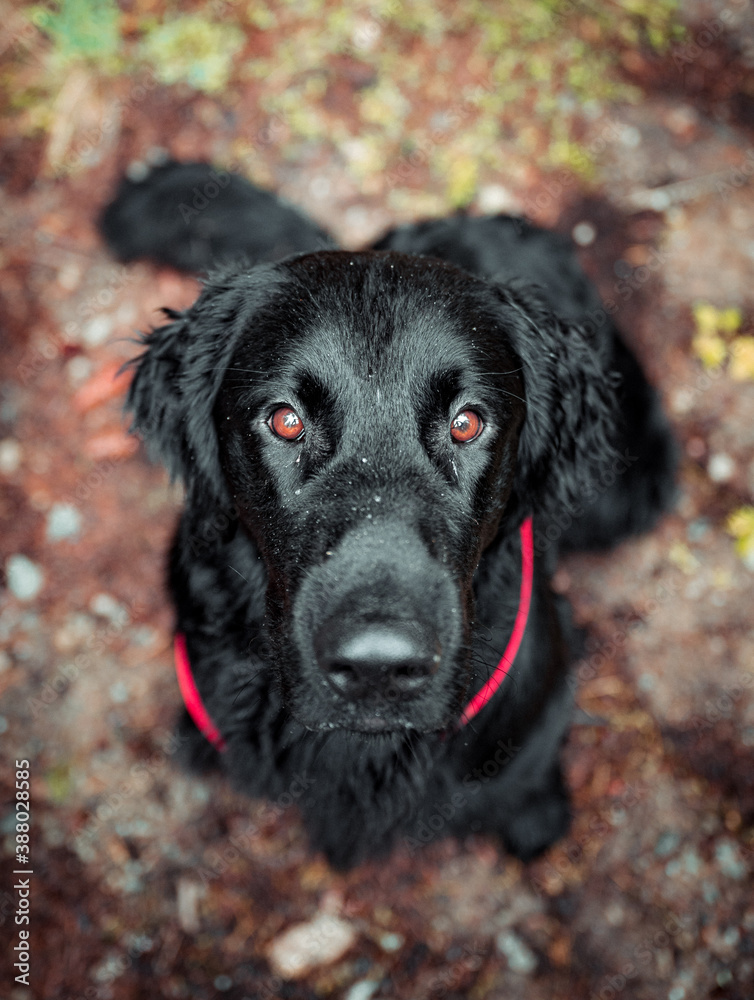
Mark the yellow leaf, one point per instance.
(462, 181)
(682, 557)
(710, 320)
(729, 320)
(740, 525)
(705, 317)
(742, 359)
(740, 522)
(709, 348)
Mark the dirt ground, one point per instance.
(148, 882)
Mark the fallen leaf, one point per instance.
(110, 444)
(741, 367)
(108, 383)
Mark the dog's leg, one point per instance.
(527, 803)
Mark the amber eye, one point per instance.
(465, 426)
(286, 423)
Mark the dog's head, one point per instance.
(377, 419)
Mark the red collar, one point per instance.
(500, 672)
(193, 701)
(191, 697)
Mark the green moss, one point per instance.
(193, 50)
(88, 29)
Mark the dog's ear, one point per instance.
(177, 378)
(565, 444)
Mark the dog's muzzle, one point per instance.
(378, 627)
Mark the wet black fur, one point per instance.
(376, 514)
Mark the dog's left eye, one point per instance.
(465, 426)
(286, 423)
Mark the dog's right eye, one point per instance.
(286, 423)
(466, 426)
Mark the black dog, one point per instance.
(364, 439)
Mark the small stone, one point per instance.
(697, 529)
(667, 843)
(63, 521)
(615, 915)
(659, 201)
(630, 136)
(10, 455)
(25, 578)
(97, 330)
(494, 198)
(306, 946)
(391, 942)
(729, 860)
(692, 862)
(520, 957)
(710, 893)
(584, 234)
(79, 368)
(106, 606)
(188, 893)
(720, 467)
(223, 983)
(119, 692)
(363, 990)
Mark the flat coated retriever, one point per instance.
(384, 452)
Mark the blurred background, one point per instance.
(627, 124)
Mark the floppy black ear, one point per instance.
(571, 407)
(177, 378)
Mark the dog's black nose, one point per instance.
(390, 658)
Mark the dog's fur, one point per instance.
(344, 594)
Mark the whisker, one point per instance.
(513, 371)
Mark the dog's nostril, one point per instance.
(359, 660)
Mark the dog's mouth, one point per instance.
(361, 720)
(373, 724)
(366, 724)
(382, 709)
